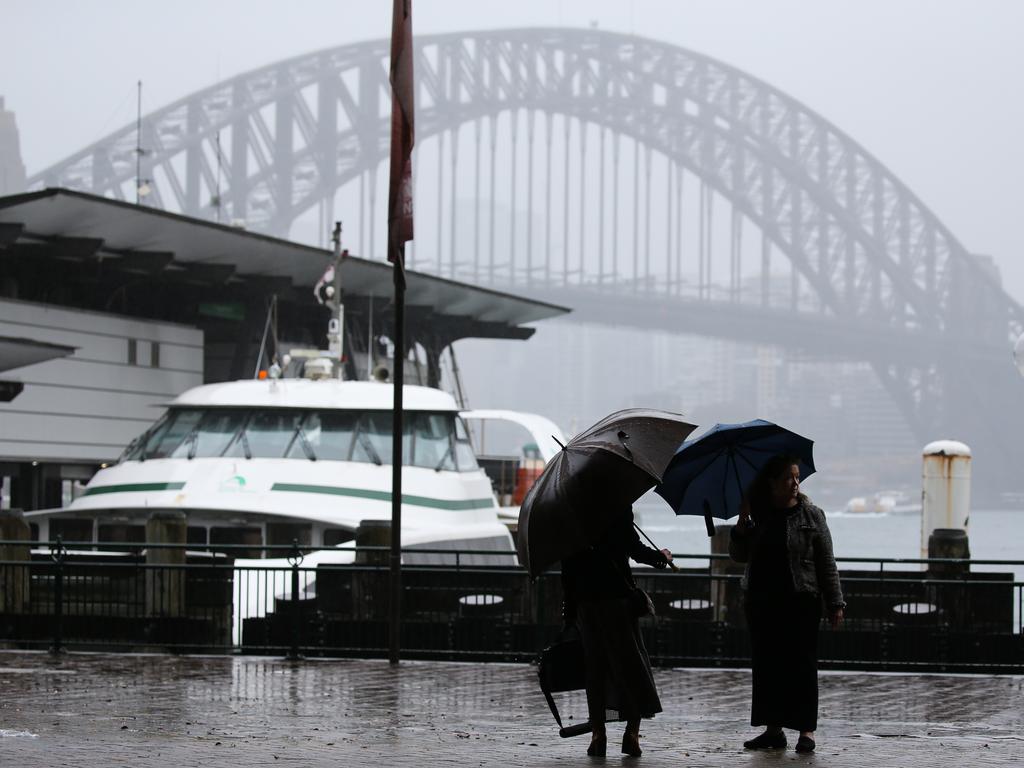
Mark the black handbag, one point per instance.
(562, 668)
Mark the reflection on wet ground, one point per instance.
(138, 710)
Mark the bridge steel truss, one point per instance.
(270, 144)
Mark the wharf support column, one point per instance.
(370, 595)
(14, 577)
(945, 489)
(165, 573)
(945, 514)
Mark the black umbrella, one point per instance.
(603, 468)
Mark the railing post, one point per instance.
(58, 554)
(294, 559)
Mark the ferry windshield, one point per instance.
(436, 440)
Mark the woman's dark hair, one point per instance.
(759, 492)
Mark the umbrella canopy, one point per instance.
(603, 468)
(709, 475)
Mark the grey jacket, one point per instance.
(811, 561)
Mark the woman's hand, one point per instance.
(744, 522)
(836, 617)
(667, 554)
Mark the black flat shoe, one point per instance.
(631, 745)
(805, 744)
(597, 747)
(768, 740)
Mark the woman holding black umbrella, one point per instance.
(601, 599)
(791, 571)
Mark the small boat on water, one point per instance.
(895, 502)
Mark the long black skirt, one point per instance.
(784, 655)
(619, 678)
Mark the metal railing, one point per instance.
(312, 601)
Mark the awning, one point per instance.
(150, 241)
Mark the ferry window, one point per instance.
(465, 458)
(328, 435)
(212, 435)
(179, 426)
(267, 434)
(121, 534)
(433, 445)
(134, 450)
(195, 534)
(373, 439)
(251, 536)
(285, 533)
(70, 529)
(335, 536)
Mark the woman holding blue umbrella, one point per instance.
(791, 572)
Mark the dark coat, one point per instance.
(596, 584)
(602, 571)
(812, 563)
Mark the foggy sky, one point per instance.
(930, 87)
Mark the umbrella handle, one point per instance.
(669, 563)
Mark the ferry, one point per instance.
(308, 459)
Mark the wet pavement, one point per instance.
(138, 710)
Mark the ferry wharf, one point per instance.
(87, 709)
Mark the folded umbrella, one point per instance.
(609, 465)
(709, 474)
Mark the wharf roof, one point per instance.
(146, 241)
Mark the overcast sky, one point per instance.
(930, 87)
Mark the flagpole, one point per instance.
(395, 618)
(400, 230)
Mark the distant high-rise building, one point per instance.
(12, 169)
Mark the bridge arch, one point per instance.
(286, 136)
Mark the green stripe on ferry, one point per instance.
(361, 493)
(130, 487)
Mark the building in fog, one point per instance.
(12, 169)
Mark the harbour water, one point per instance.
(994, 534)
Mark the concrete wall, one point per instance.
(90, 405)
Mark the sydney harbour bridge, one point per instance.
(645, 185)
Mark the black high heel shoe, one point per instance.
(598, 746)
(631, 744)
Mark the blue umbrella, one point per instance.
(708, 475)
